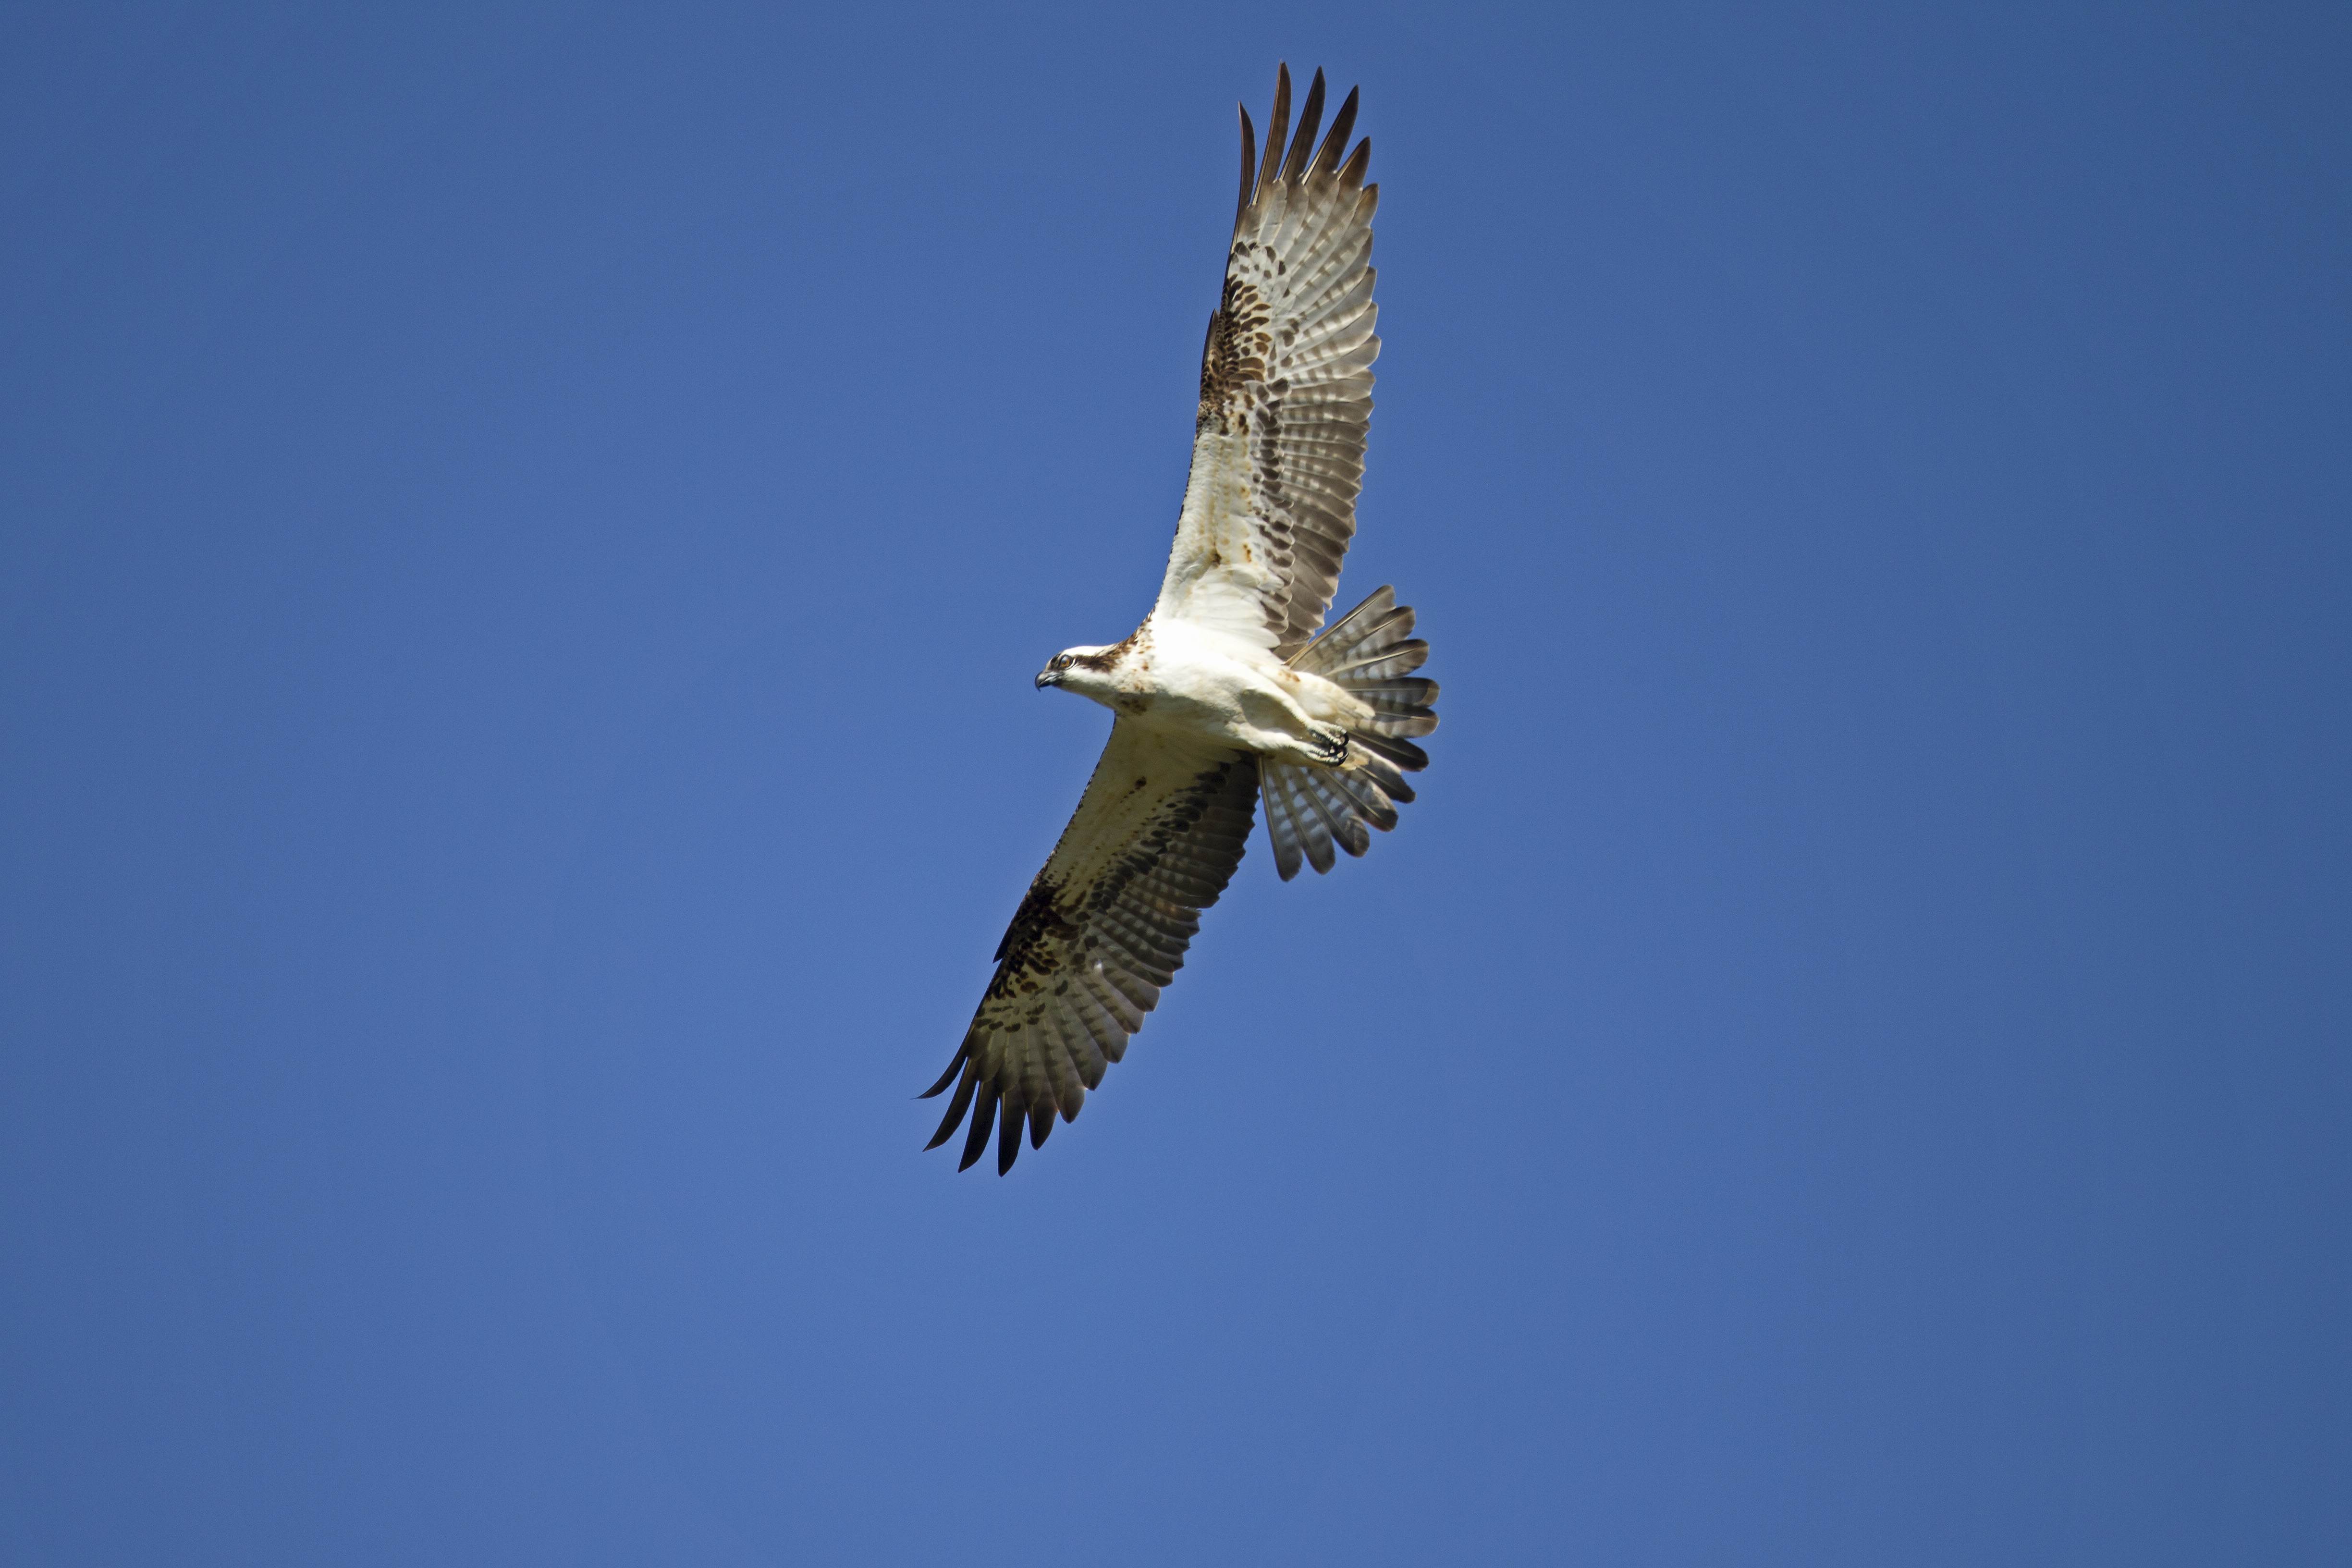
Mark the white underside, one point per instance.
(1182, 677)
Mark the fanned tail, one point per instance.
(1369, 652)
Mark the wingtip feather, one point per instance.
(955, 1065)
(983, 1122)
(956, 1106)
(1008, 1141)
(1277, 129)
(1326, 157)
(1310, 121)
(1249, 167)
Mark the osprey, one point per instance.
(1225, 691)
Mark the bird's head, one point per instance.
(1085, 670)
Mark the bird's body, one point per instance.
(1232, 689)
(1197, 682)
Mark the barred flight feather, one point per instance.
(1370, 653)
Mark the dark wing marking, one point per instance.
(1104, 927)
(1286, 389)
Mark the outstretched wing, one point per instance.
(1286, 390)
(1105, 925)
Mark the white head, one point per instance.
(1085, 670)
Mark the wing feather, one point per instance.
(1105, 926)
(1286, 389)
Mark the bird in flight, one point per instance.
(1232, 688)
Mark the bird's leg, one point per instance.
(1278, 726)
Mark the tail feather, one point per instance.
(1372, 653)
(1395, 750)
(1294, 825)
(1401, 660)
(1375, 631)
(1289, 840)
(1368, 800)
(1400, 706)
(1338, 811)
(1384, 773)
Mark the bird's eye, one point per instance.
(1061, 661)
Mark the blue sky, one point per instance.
(524, 537)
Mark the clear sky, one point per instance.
(524, 538)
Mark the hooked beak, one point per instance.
(1046, 677)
